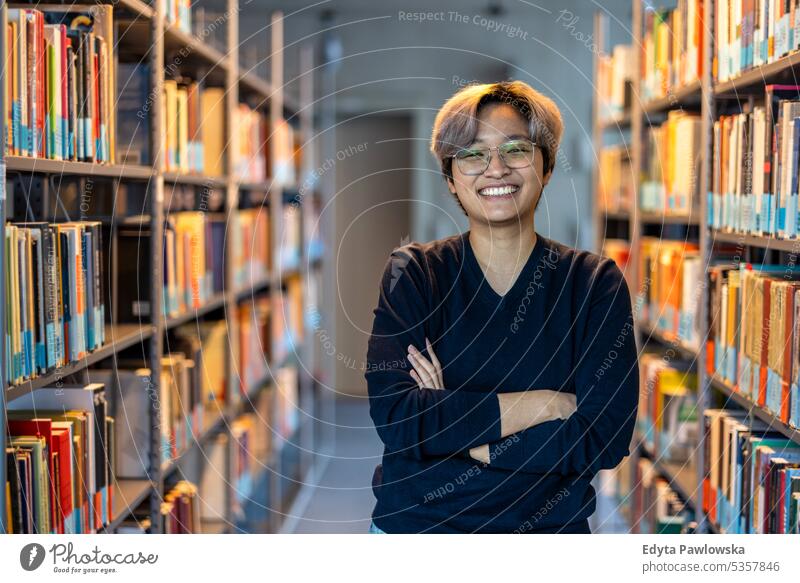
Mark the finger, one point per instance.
(422, 371)
(425, 363)
(436, 364)
(415, 376)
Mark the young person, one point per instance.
(502, 367)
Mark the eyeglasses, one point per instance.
(514, 154)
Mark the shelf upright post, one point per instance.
(276, 218)
(708, 113)
(306, 365)
(3, 315)
(156, 255)
(634, 222)
(599, 222)
(233, 375)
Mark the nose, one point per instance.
(497, 168)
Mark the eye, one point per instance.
(470, 154)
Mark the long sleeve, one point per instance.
(418, 422)
(597, 436)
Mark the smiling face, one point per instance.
(500, 195)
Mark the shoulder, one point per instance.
(419, 263)
(426, 257)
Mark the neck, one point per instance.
(505, 247)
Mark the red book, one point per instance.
(764, 364)
(41, 428)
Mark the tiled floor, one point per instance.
(342, 500)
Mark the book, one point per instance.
(55, 299)
(667, 291)
(78, 415)
(63, 83)
(671, 162)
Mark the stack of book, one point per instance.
(615, 75)
(180, 509)
(253, 152)
(193, 251)
(287, 406)
(754, 330)
(286, 164)
(60, 83)
(194, 128)
(667, 418)
(194, 260)
(673, 48)
(207, 344)
(671, 163)
(616, 180)
(752, 475)
(60, 462)
(750, 34)
(755, 167)
(291, 237)
(54, 296)
(179, 14)
(255, 343)
(656, 507)
(668, 295)
(250, 234)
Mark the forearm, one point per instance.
(521, 410)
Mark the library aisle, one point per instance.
(343, 267)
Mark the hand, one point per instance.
(480, 453)
(427, 373)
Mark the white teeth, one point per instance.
(498, 190)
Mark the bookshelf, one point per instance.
(143, 34)
(708, 98)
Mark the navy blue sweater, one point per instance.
(565, 325)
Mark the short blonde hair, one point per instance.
(456, 124)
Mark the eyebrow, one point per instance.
(511, 137)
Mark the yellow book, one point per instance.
(183, 129)
(212, 121)
(171, 125)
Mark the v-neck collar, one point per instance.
(485, 290)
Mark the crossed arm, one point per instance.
(518, 410)
(559, 432)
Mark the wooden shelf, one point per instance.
(118, 338)
(668, 339)
(214, 304)
(250, 83)
(682, 476)
(248, 291)
(46, 166)
(135, 7)
(755, 410)
(256, 186)
(788, 245)
(622, 122)
(659, 218)
(617, 216)
(688, 95)
(128, 495)
(176, 40)
(213, 423)
(195, 179)
(755, 79)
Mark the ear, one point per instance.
(546, 178)
(451, 186)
